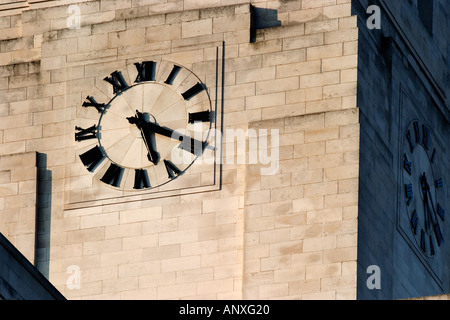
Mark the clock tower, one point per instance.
(405, 132)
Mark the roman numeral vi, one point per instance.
(141, 179)
(113, 175)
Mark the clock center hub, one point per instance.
(135, 131)
(423, 171)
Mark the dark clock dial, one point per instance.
(151, 130)
(422, 188)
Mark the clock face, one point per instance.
(151, 130)
(423, 192)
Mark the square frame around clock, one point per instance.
(410, 111)
(204, 175)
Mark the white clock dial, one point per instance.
(151, 131)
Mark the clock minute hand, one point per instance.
(148, 137)
(425, 190)
(432, 206)
(425, 212)
(150, 142)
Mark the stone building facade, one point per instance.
(403, 91)
(269, 211)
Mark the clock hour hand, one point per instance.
(434, 220)
(148, 137)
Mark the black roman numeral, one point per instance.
(432, 246)
(192, 92)
(92, 103)
(439, 183)
(425, 140)
(172, 169)
(409, 193)
(203, 116)
(433, 157)
(438, 234)
(85, 134)
(441, 212)
(417, 131)
(173, 74)
(411, 143)
(193, 146)
(113, 175)
(117, 81)
(141, 179)
(92, 158)
(414, 221)
(407, 165)
(146, 71)
(422, 241)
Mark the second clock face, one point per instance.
(423, 187)
(151, 130)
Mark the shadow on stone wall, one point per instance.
(262, 18)
(43, 214)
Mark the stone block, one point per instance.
(180, 264)
(324, 134)
(197, 28)
(305, 41)
(231, 23)
(163, 33)
(18, 134)
(340, 63)
(320, 79)
(341, 36)
(59, 47)
(319, 244)
(307, 4)
(126, 38)
(264, 47)
(338, 11)
(321, 26)
(325, 51)
(278, 85)
(99, 220)
(323, 188)
(266, 100)
(307, 204)
(148, 21)
(339, 90)
(296, 69)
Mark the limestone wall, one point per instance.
(287, 234)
